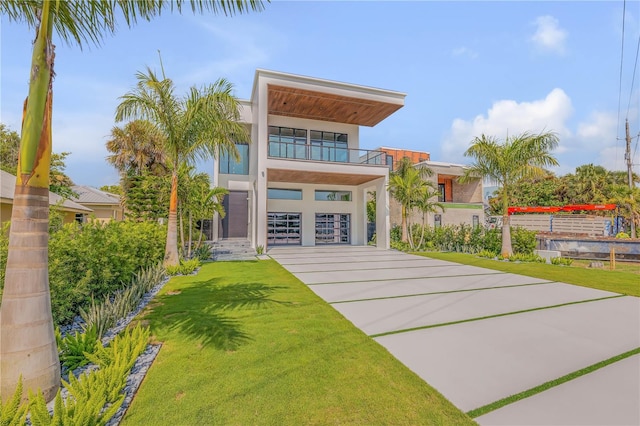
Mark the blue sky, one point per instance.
(467, 68)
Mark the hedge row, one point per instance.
(94, 260)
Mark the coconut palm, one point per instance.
(196, 126)
(628, 201)
(28, 345)
(503, 164)
(405, 185)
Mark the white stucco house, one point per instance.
(303, 180)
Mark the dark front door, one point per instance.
(236, 205)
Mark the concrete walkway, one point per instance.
(440, 319)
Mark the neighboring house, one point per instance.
(104, 205)
(7, 185)
(463, 202)
(396, 154)
(303, 180)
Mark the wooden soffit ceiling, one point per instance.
(300, 103)
(299, 176)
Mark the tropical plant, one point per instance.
(72, 348)
(504, 164)
(135, 148)
(26, 324)
(14, 411)
(199, 125)
(628, 201)
(427, 202)
(407, 184)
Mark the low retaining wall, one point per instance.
(590, 248)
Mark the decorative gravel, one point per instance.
(139, 369)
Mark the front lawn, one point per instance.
(616, 281)
(246, 343)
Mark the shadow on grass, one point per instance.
(200, 311)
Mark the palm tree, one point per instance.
(405, 185)
(426, 203)
(628, 200)
(28, 347)
(135, 148)
(199, 125)
(520, 156)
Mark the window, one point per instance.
(229, 165)
(441, 193)
(285, 142)
(475, 220)
(388, 160)
(284, 194)
(329, 146)
(437, 221)
(333, 195)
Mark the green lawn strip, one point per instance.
(423, 327)
(552, 383)
(404, 279)
(463, 290)
(248, 343)
(616, 281)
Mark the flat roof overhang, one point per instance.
(326, 178)
(315, 105)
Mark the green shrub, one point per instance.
(203, 253)
(395, 234)
(622, 235)
(14, 411)
(94, 397)
(520, 257)
(523, 240)
(564, 261)
(73, 348)
(487, 254)
(94, 260)
(185, 267)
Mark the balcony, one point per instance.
(314, 152)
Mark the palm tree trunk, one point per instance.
(507, 250)
(181, 229)
(171, 256)
(403, 224)
(28, 346)
(189, 240)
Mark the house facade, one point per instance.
(463, 203)
(104, 206)
(303, 179)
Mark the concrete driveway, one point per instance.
(479, 335)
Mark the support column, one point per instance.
(383, 225)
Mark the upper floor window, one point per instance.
(285, 142)
(333, 195)
(229, 165)
(329, 146)
(284, 194)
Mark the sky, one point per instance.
(467, 68)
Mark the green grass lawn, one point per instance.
(623, 282)
(246, 343)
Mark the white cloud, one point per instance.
(510, 117)
(549, 37)
(464, 52)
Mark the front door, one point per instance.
(235, 222)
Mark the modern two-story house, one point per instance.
(303, 179)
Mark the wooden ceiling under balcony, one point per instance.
(300, 176)
(300, 103)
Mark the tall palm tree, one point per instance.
(27, 343)
(205, 121)
(405, 184)
(503, 164)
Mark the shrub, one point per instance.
(523, 240)
(185, 267)
(520, 257)
(93, 260)
(564, 261)
(487, 254)
(202, 253)
(73, 348)
(14, 411)
(622, 235)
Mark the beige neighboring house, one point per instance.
(7, 185)
(104, 206)
(463, 202)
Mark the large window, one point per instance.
(229, 165)
(329, 146)
(285, 142)
(284, 194)
(441, 193)
(322, 195)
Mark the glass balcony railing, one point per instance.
(297, 151)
